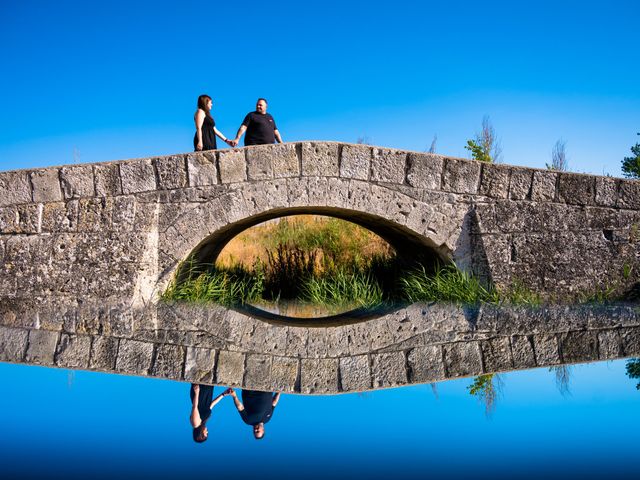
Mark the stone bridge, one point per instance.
(115, 233)
(121, 228)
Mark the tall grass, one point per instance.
(343, 288)
(447, 284)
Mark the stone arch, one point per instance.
(407, 223)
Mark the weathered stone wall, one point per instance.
(418, 344)
(119, 229)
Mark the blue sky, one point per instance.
(89, 81)
(78, 424)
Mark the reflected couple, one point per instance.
(256, 409)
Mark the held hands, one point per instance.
(229, 391)
(232, 143)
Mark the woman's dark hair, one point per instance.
(198, 434)
(202, 104)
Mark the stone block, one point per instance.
(521, 184)
(355, 373)
(232, 165)
(172, 172)
(284, 374)
(134, 357)
(547, 350)
(297, 341)
(13, 344)
(426, 364)
(578, 346)
(199, 365)
(337, 342)
(283, 159)
(358, 339)
(320, 159)
(41, 347)
(46, 185)
(355, 161)
(496, 354)
(317, 343)
(77, 181)
(319, 376)
(107, 179)
(388, 369)
(388, 166)
(523, 353)
(137, 176)
(124, 214)
(15, 188)
(60, 217)
(257, 372)
(494, 180)
(607, 191)
(95, 214)
(169, 362)
(609, 346)
(259, 166)
(543, 188)
(73, 351)
(629, 194)
(425, 170)
(461, 176)
(576, 189)
(202, 169)
(630, 339)
(20, 219)
(230, 368)
(462, 359)
(104, 351)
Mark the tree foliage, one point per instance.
(485, 146)
(631, 165)
(633, 370)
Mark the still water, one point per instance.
(584, 423)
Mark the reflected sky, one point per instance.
(63, 424)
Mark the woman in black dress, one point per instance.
(202, 403)
(206, 131)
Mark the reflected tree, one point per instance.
(434, 390)
(633, 370)
(563, 378)
(487, 389)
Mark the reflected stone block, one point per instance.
(104, 351)
(230, 368)
(169, 362)
(199, 365)
(257, 372)
(426, 364)
(546, 348)
(73, 351)
(388, 369)
(13, 343)
(42, 346)
(579, 346)
(134, 357)
(522, 350)
(319, 375)
(284, 374)
(496, 354)
(355, 374)
(609, 346)
(462, 359)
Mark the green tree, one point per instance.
(485, 146)
(633, 370)
(631, 165)
(486, 388)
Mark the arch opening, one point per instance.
(310, 263)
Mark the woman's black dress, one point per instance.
(208, 136)
(204, 401)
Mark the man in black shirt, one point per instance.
(260, 127)
(257, 409)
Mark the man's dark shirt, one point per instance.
(260, 129)
(258, 407)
